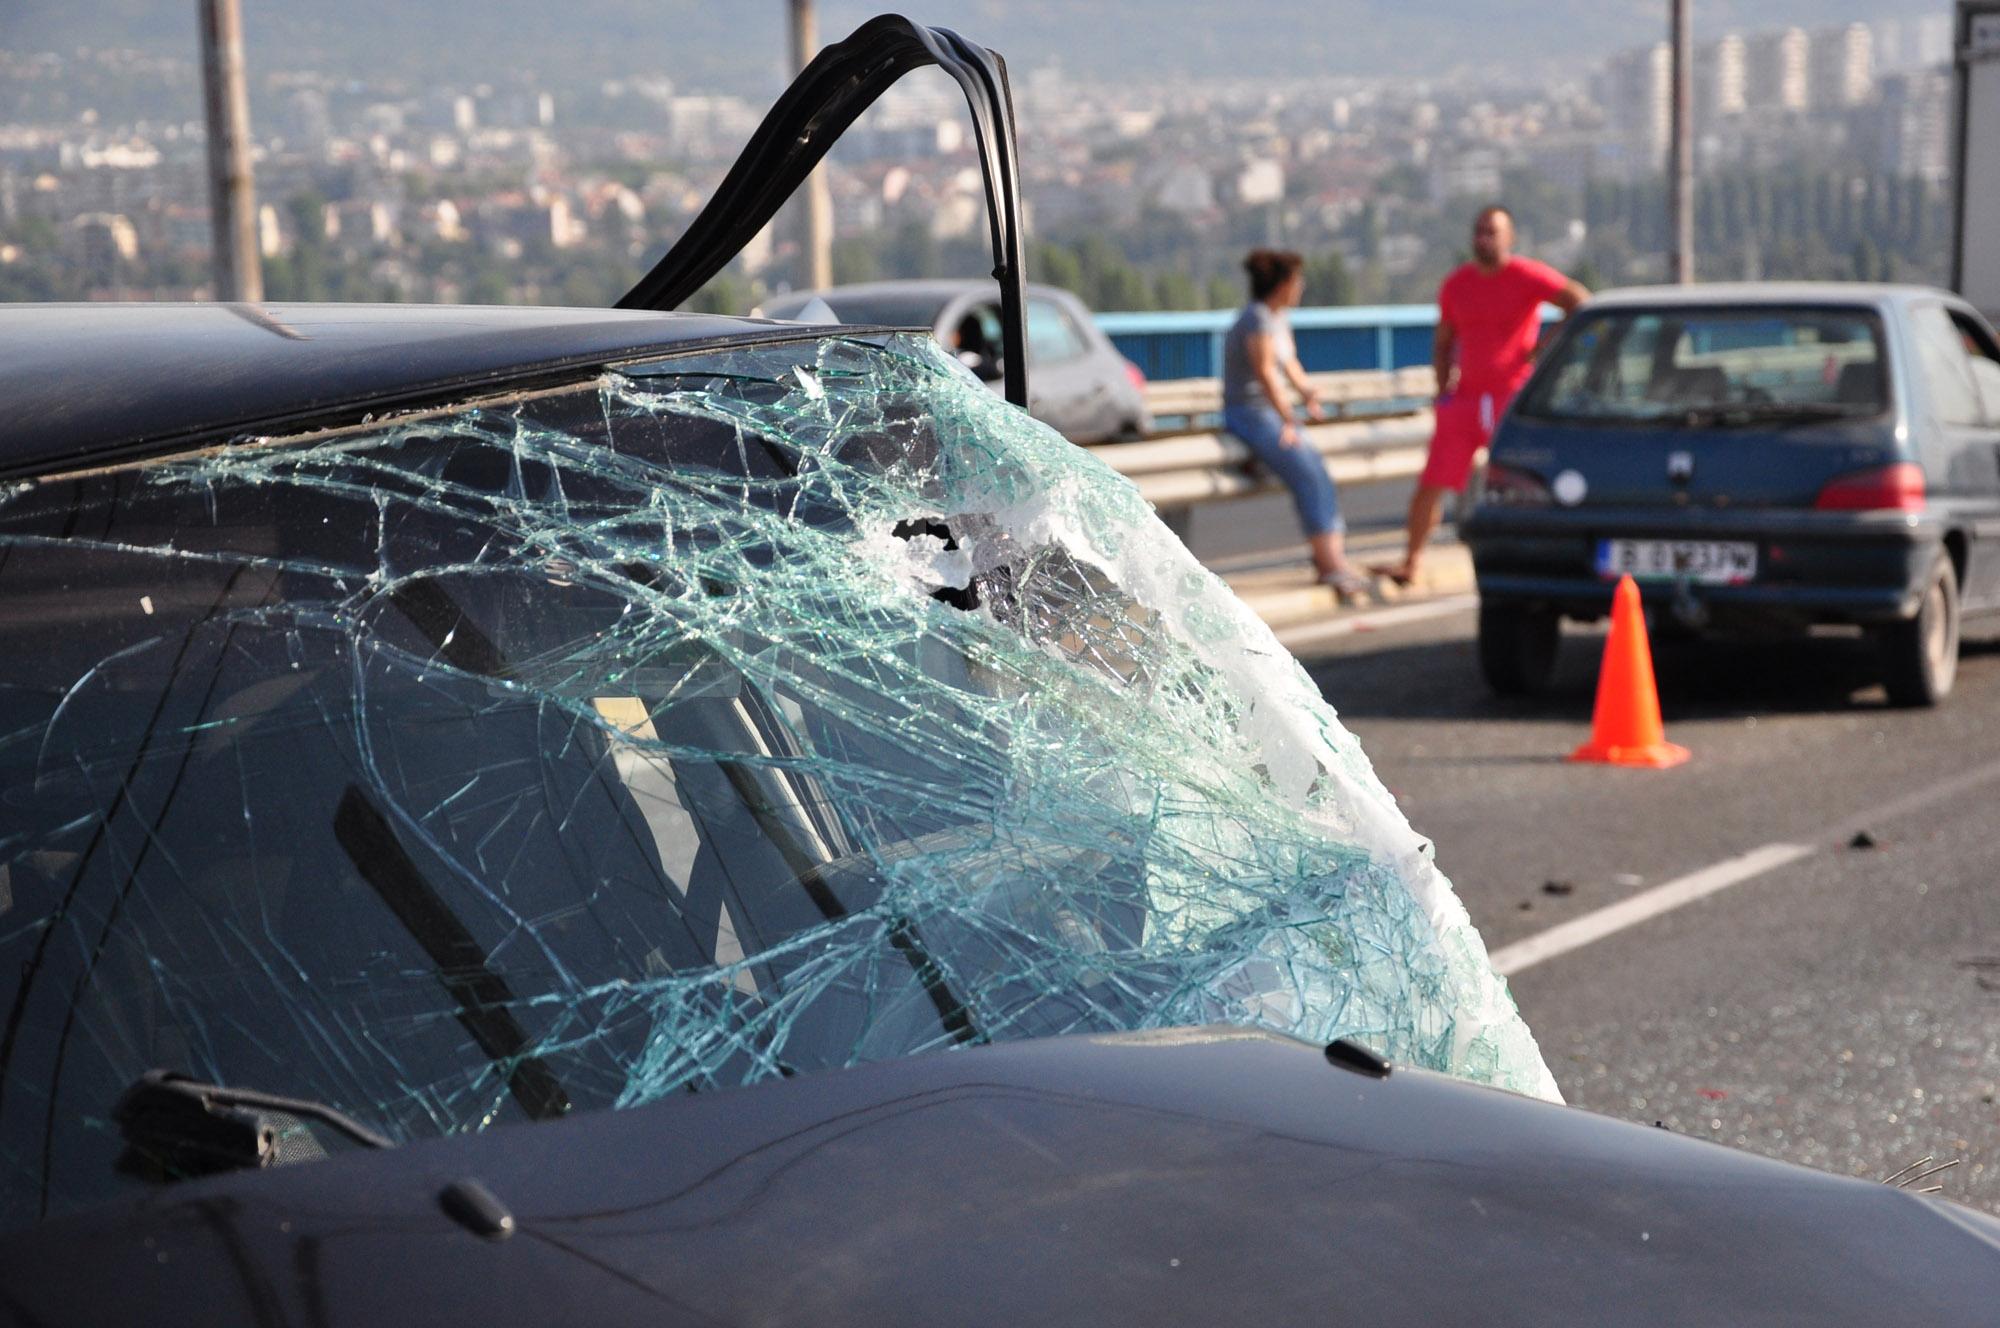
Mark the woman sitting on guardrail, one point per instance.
(1258, 358)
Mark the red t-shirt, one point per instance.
(1497, 317)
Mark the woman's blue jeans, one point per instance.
(1301, 468)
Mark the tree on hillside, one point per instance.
(1328, 281)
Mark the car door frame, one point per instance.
(1062, 394)
(1964, 480)
(955, 309)
(1105, 409)
(829, 94)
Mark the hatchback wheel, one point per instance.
(1920, 656)
(1517, 647)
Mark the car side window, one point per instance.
(1983, 358)
(975, 337)
(1946, 368)
(1052, 338)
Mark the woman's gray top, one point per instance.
(1239, 376)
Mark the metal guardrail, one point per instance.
(1180, 470)
(1184, 345)
(1375, 357)
(1330, 339)
(1191, 398)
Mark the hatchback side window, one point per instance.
(1946, 368)
(1983, 357)
(1051, 337)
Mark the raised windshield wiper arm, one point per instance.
(176, 1126)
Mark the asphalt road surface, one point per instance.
(1807, 960)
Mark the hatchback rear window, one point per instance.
(1667, 364)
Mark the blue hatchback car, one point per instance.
(1761, 459)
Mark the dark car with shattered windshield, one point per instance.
(512, 816)
(1764, 458)
(679, 703)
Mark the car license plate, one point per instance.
(1708, 562)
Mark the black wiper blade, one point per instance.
(175, 1126)
(1782, 412)
(1816, 412)
(1613, 418)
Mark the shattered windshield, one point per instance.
(736, 716)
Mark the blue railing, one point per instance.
(1189, 345)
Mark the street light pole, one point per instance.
(817, 205)
(1680, 180)
(232, 204)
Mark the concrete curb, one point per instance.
(1286, 597)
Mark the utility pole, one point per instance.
(1680, 179)
(816, 210)
(232, 204)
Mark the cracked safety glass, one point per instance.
(740, 715)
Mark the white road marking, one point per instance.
(1923, 797)
(1596, 925)
(1312, 634)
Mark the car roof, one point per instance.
(1850, 293)
(90, 383)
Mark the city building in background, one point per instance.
(1820, 153)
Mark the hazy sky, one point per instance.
(739, 44)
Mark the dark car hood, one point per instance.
(1204, 1176)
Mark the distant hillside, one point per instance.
(738, 44)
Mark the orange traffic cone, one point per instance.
(1626, 729)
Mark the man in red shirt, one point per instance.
(1489, 319)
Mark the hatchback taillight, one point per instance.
(1136, 374)
(1892, 488)
(1508, 487)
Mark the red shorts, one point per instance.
(1465, 423)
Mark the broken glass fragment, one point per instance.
(743, 714)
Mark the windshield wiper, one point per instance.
(175, 1126)
(1606, 418)
(1776, 412)
(485, 1001)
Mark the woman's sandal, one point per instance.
(1402, 578)
(1349, 587)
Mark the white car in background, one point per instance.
(1082, 387)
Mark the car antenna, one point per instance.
(841, 82)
